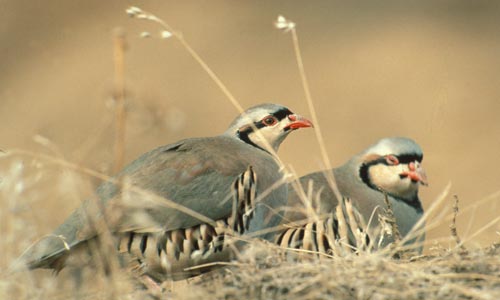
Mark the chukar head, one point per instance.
(394, 166)
(266, 124)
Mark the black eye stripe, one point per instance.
(244, 133)
(408, 158)
(279, 115)
(403, 159)
(282, 113)
(258, 125)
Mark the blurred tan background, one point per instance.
(429, 70)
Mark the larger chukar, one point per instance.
(200, 174)
(391, 166)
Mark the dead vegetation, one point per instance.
(443, 274)
(269, 272)
(266, 271)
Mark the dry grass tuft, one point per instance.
(267, 273)
(263, 271)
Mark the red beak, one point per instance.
(298, 122)
(416, 174)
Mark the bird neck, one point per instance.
(244, 136)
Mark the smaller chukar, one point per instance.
(391, 166)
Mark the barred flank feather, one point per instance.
(340, 231)
(199, 241)
(243, 201)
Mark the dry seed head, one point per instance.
(133, 11)
(136, 12)
(385, 224)
(283, 24)
(42, 140)
(166, 34)
(19, 187)
(17, 168)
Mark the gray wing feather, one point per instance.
(196, 174)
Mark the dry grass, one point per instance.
(266, 273)
(119, 47)
(262, 272)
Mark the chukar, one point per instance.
(391, 166)
(170, 208)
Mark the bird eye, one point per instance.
(392, 160)
(269, 121)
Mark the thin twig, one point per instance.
(119, 47)
(169, 31)
(453, 226)
(317, 129)
(391, 220)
